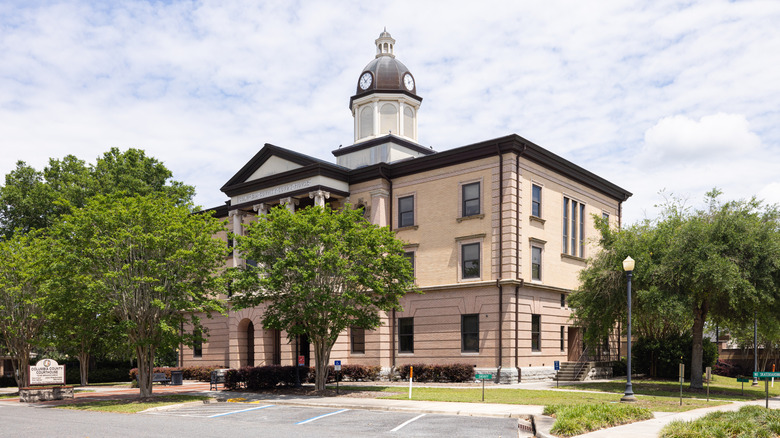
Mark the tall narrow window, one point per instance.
(410, 256)
(366, 121)
(406, 211)
(470, 197)
(406, 335)
(573, 227)
(562, 338)
(565, 225)
(563, 301)
(605, 216)
(582, 231)
(388, 120)
(408, 122)
(469, 333)
(536, 333)
(536, 200)
(536, 263)
(197, 345)
(470, 260)
(357, 337)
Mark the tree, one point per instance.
(33, 200)
(152, 261)
(319, 272)
(22, 293)
(720, 263)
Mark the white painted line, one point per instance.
(237, 412)
(407, 422)
(321, 416)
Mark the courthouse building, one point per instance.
(497, 232)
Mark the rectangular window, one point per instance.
(197, 345)
(469, 333)
(536, 333)
(562, 339)
(582, 231)
(536, 263)
(573, 227)
(605, 216)
(536, 200)
(470, 198)
(470, 260)
(405, 211)
(563, 300)
(410, 256)
(565, 225)
(357, 337)
(406, 335)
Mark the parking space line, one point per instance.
(321, 416)
(238, 412)
(407, 422)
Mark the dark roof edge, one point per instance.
(369, 92)
(320, 168)
(390, 138)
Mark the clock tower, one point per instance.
(386, 100)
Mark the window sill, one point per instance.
(466, 218)
(469, 280)
(469, 353)
(571, 257)
(410, 227)
(533, 218)
(357, 354)
(407, 353)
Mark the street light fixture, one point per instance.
(628, 266)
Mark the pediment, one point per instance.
(272, 165)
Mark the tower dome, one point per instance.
(385, 72)
(386, 100)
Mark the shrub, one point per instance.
(661, 357)
(360, 372)
(729, 369)
(265, 377)
(573, 420)
(457, 372)
(619, 367)
(201, 373)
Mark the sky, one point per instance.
(663, 98)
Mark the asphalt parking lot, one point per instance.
(316, 421)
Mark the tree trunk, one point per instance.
(321, 357)
(22, 370)
(697, 352)
(145, 370)
(84, 367)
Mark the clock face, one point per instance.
(365, 81)
(408, 82)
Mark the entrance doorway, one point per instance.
(304, 349)
(575, 344)
(250, 344)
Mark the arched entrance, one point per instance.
(246, 343)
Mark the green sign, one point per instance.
(761, 374)
(743, 379)
(490, 376)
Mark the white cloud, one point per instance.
(203, 85)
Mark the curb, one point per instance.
(541, 425)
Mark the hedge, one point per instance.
(265, 377)
(201, 373)
(456, 372)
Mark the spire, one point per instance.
(384, 44)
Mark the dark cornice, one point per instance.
(221, 211)
(305, 191)
(509, 144)
(390, 138)
(369, 92)
(317, 169)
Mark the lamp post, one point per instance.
(628, 266)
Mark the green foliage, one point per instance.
(722, 263)
(22, 295)
(319, 272)
(151, 263)
(32, 199)
(749, 421)
(662, 357)
(573, 420)
(455, 372)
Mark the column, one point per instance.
(237, 218)
(379, 207)
(290, 203)
(319, 197)
(260, 209)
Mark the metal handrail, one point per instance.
(584, 357)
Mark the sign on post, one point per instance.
(337, 368)
(483, 377)
(766, 375)
(47, 372)
(301, 361)
(557, 365)
(337, 365)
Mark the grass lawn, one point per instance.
(12, 395)
(721, 388)
(133, 406)
(578, 419)
(749, 421)
(535, 397)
